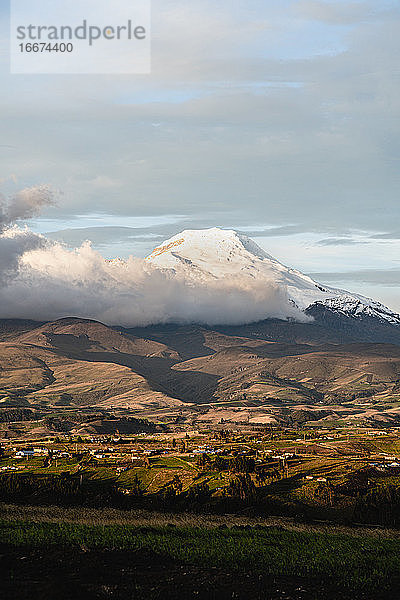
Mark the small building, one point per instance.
(25, 453)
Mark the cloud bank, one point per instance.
(15, 242)
(43, 280)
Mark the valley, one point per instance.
(193, 376)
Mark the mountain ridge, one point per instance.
(195, 375)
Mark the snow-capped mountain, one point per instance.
(211, 254)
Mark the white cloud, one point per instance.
(44, 280)
(54, 282)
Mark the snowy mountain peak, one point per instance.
(213, 244)
(205, 255)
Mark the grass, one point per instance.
(353, 563)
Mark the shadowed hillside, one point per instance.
(199, 374)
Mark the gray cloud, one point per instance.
(101, 236)
(338, 13)
(283, 230)
(340, 242)
(25, 204)
(389, 277)
(14, 242)
(394, 235)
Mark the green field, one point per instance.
(352, 564)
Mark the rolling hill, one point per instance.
(198, 375)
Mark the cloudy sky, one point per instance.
(280, 119)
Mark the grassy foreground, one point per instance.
(367, 566)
